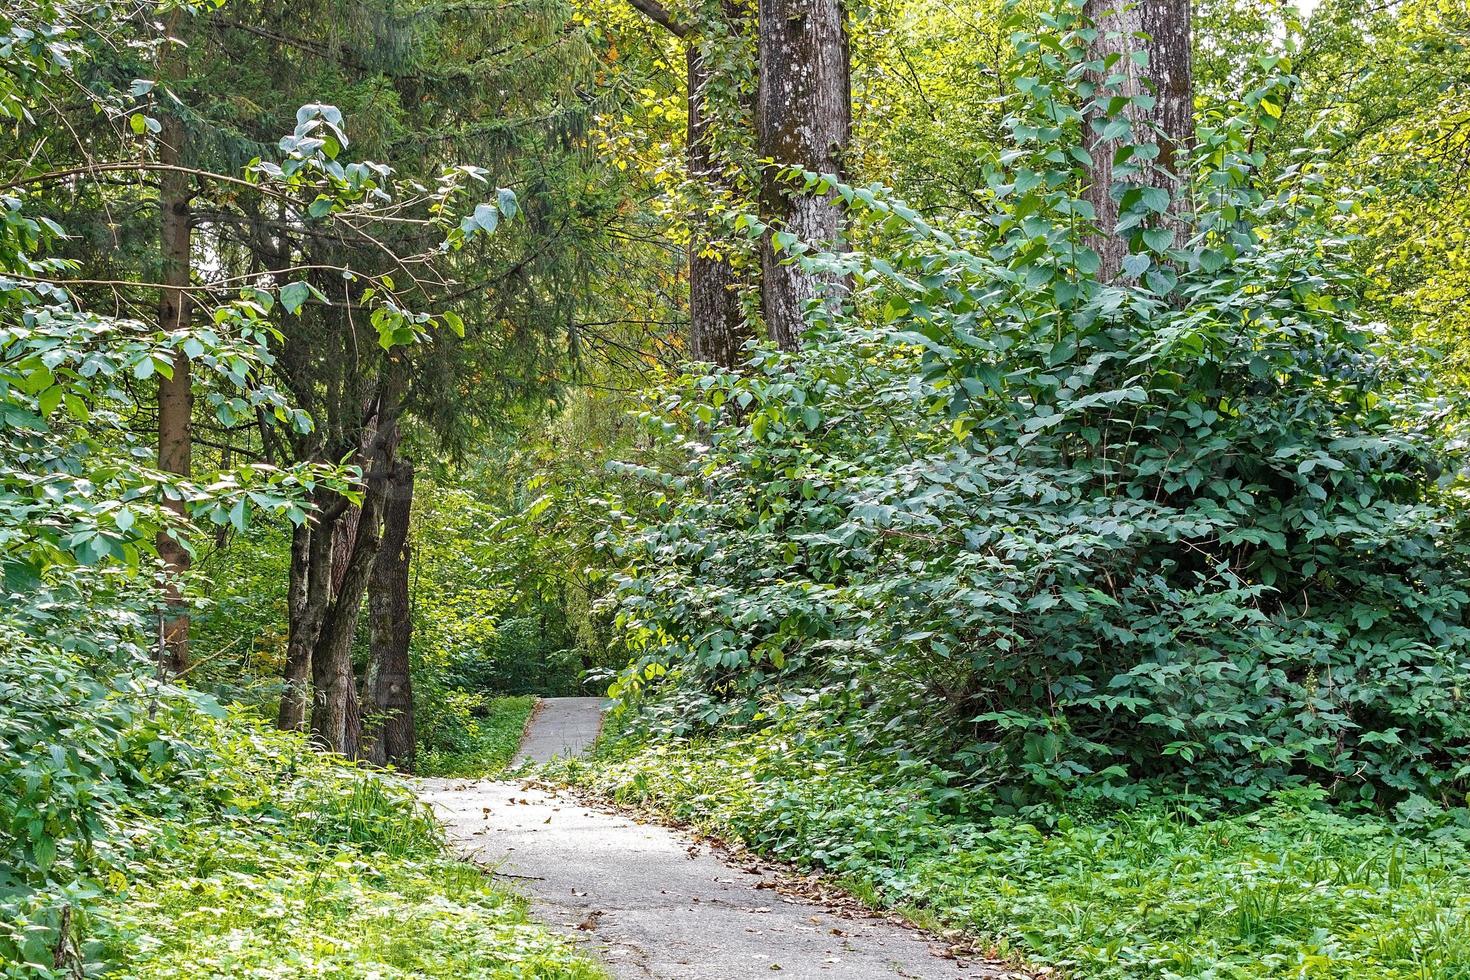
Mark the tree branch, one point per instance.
(660, 15)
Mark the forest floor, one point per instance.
(653, 902)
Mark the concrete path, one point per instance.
(561, 727)
(653, 903)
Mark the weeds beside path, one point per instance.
(1294, 889)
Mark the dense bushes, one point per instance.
(473, 735)
(1193, 527)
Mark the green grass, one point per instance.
(245, 854)
(1170, 891)
(281, 912)
(488, 743)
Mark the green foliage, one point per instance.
(238, 630)
(171, 839)
(281, 863)
(490, 591)
(1192, 527)
(485, 624)
(469, 734)
(1174, 891)
(285, 916)
(145, 830)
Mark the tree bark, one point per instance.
(175, 394)
(308, 595)
(336, 718)
(717, 329)
(344, 533)
(1161, 29)
(388, 691)
(803, 119)
(335, 712)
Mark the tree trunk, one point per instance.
(716, 323)
(335, 713)
(336, 719)
(803, 119)
(389, 688)
(344, 533)
(175, 394)
(308, 596)
(717, 328)
(1161, 28)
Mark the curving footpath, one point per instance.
(654, 903)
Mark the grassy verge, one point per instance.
(487, 744)
(283, 912)
(233, 850)
(1172, 891)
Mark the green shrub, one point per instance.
(145, 829)
(523, 655)
(1196, 527)
(478, 742)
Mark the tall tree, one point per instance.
(1142, 47)
(175, 393)
(429, 89)
(803, 119)
(717, 327)
(336, 710)
(308, 593)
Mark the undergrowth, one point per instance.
(283, 912)
(164, 837)
(479, 743)
(1174, 889)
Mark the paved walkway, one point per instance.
(654, 904)
(561, 727)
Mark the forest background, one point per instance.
(1009, 455)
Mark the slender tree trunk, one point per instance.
(336, 718)
(175, 394)
(717, 327)
(292, 715)
(1161, 29)
(308, 596)
(335, 712)
(803, 119)
(389, 688)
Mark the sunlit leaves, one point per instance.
(1120, 514)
